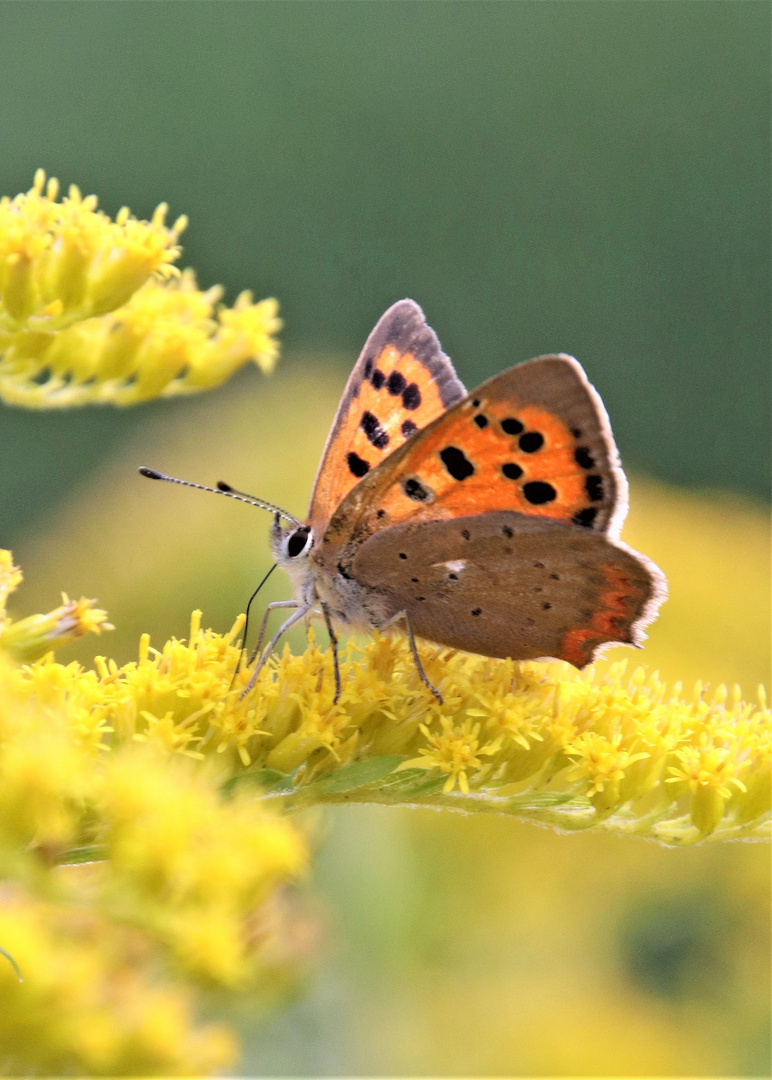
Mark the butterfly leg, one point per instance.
(295, 617)
(261, 635)
(416, 658)
(334, 647)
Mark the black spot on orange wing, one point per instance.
(481, 421)
(531, 442)
(408, 428)
(414, 489)
(586, 517)
(538, 492)
(378, 379)
(395, 383)
(374, 431)
(511, 426)
(456, 462)
(511, 470)
(584, 458)
(357, 465)
(411, 396)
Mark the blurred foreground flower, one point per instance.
(191, 886)
(91, 1002)
(93, 310)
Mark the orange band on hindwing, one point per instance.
(619, 605)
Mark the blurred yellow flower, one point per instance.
(187, 864)
(184, 866)
(30, 638)
(93, 310)
(92, 1001)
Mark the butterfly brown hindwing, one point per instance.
(534, 439)
(400, 383)
(512, 585)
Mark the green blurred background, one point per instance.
(588, 177)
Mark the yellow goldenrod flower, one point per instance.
(92, 1001)
(10, 579)
(102, 768)
(29, 639)
(93, 310)
(454, 750)
(601, 748)
(603, 763)
(187, 864)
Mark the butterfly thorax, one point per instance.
(350, 604)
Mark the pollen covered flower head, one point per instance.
(95, 310)
(65, 261)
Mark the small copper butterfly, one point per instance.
(487, 522)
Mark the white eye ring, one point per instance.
(297, 542)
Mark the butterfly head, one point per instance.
(291, 549)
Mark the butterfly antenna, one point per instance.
(223, 489)
(243, 648)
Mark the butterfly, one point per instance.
(487, 522)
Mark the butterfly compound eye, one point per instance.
(298, 541)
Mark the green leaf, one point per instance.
(356, 775)
(270, 781)
(92, 853)
(419, 783)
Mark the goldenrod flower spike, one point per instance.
(604, 748)
(600, 749)
(32, 637)
(94, 310)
